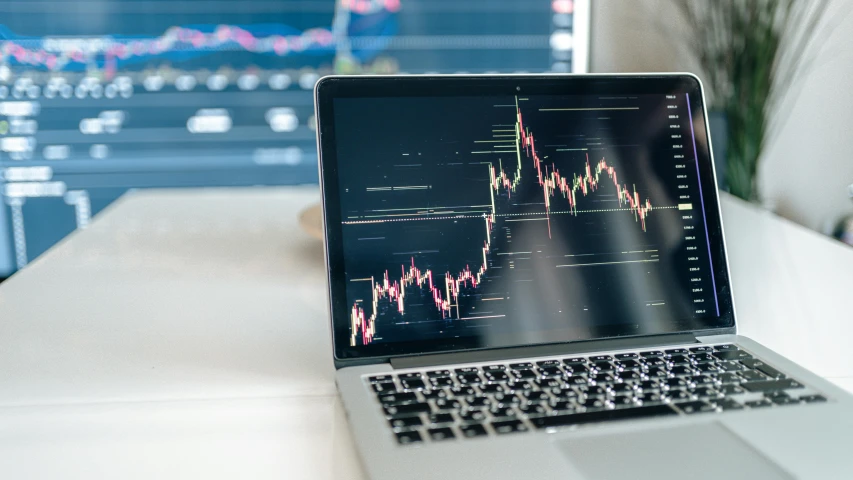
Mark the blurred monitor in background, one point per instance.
(98, 97)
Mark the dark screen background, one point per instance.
(414, 176)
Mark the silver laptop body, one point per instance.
(527, 278)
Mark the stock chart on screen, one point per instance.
(520, 215)
(98, 97)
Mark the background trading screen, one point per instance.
(98, 97)
(520, 216)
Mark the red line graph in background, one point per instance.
(446, 296)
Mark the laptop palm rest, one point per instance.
(701, 451)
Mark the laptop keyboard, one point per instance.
(507, 398)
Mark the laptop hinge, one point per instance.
(417, 361)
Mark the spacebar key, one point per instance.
(602, 416)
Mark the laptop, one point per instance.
(528, 278)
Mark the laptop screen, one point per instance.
(518, 213)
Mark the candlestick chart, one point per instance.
(562, 191)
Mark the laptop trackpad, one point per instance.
(695, 451)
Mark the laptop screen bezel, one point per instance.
(332, 87)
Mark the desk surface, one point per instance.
(184, 334)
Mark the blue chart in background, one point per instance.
(103, 97)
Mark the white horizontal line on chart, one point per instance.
(586, 109)
(606, 263)
(461, 216)
(484, 316)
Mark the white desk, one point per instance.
(184, 335)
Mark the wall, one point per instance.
(806, 169)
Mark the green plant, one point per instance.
(752, 53)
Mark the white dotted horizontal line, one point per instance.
(456, 217)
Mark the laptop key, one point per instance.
(703, 380)
(509, 426)
(678, 396)
(536, 396)
(707, 393)
(494, 368)
(593, 403)
(505, 399)
(577, 381)
(731, 355)
(731, 390)
(696, 407)
(438, 373)
(503, 412)
(381, 379)
(410, 408)
(649, 398)
(621, 388)
(626, 356)
(521, 366)
(433, 394)
(441, 382)
(702, 349)
(655, 363)
(439, 418)
(477, 402)
(629, 376)
(621, 401)
(725, 348)
(575, 370)
(752, 376)
(652, 354)
(549, 383)
(384, 387)
(600, 379)
(405, 422)
(405, 438)
(548, 363)
(679, 360)
(676, 383)
(466, 370)
(563, 406)
(759, 403)
(594, 391)
(439, 434)
(414, 384)
(497, 376)
(601, 358)
(627, 364)
(469, 379)
(463, 391)
(730, 367)
(551, 421)
(491, 388)
(475, 416)
(813, 398)
(728, 378)
(447, 405)
(676, 351)
(702, 358)
(550, 372)
(524, 374)
(681, 371)
(398, 398)
(762, 367)
(574, 361)
(471, 431)
(786, 400)
(729, 404)
(603, 367)
(533, 409)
